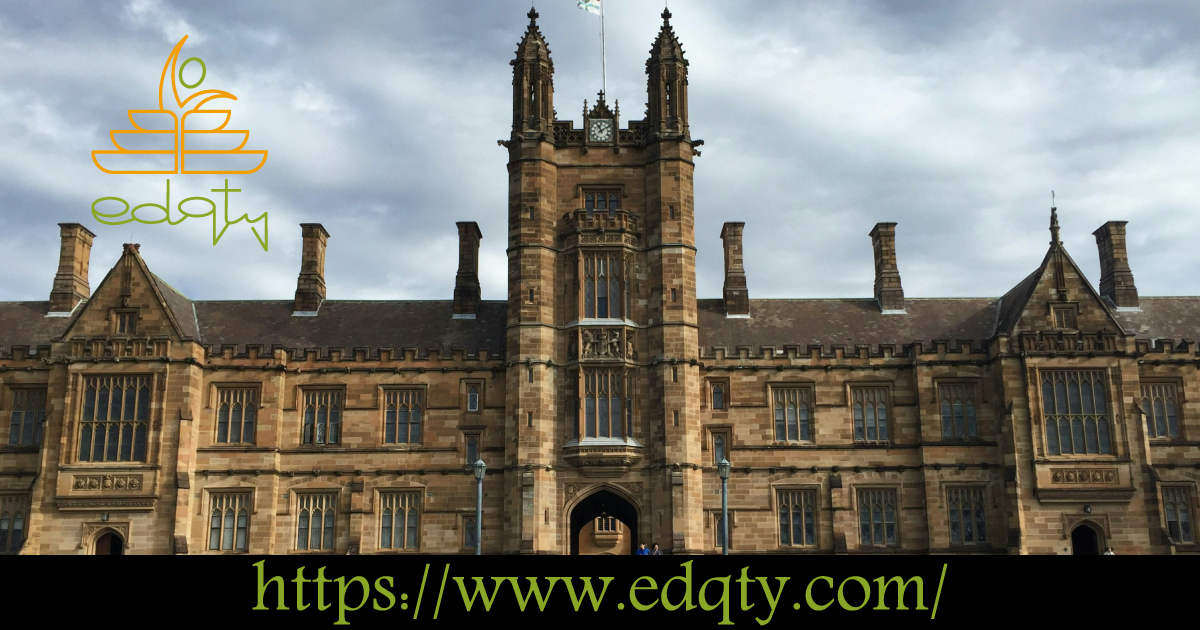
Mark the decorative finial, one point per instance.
(666, 15)
(1054, 240)
(533, 16)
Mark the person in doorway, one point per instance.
(1109, 552)
(641, 550)
(655, 551)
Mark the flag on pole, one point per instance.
(591, 6)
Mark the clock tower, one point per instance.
(603, 385)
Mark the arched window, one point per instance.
(236, 414)
(606, 407)
(400, 526)
(472, 398)
(316, 521)
(115, 419)
(877, 517)
(402, 418)
(605, 283)
(792, 415)
(718, 447)
(958, 411)
(1178, 506)
(718, 397)
(28, 412)
(322, 417)
(797, 522)
(12, 522)
(1160, 409)
(230, 522)
(870, 407)
(1075, 409)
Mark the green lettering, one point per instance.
(687, 589)
(386, 593)
(300, 582)
(96, 214)
(866, 593)
(262, 588)
(534, 591)
(808, 593)
(773, 601)
(342, 607)
(635, 588)
(321, 582)
(902, 583)
(469, 600)
(723, 602)
(587, 590)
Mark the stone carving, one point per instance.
(101, 504)
(601, 343)
(1084, 475)
(571, 489)
(630, 351)
(572, 348)
(107, 482)
(634, 488)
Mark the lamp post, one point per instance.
(723, 471)
(480, 471)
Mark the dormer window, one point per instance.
(125, 322)
(1064, 318)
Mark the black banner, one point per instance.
(753, 591)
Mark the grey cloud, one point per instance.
(953, 119)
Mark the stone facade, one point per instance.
(1052, 420)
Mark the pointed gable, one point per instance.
(1057, 283)
(130, 287)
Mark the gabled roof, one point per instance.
(1013, 304)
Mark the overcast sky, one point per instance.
(953, 119)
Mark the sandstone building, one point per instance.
(1055, 419)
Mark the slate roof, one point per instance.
(351, 324)
(846, 322)
(26, 324)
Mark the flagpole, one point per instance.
(603, 53)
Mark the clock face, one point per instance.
(601, 131)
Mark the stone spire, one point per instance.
(533, 83)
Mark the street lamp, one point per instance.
(723, 471)
(480, 470)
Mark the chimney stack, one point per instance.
(466, 283)
(1116, 279)
(888, 291)
(737, 297)
(310, 287)
(71, 281)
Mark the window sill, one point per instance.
(9, 448)
(873, 443)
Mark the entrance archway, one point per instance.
(607, 504)
(110, 544)
(1085, 541)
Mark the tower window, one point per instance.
(674, 295)
(718, 397)
(603, 200)
(605, 398)
(604, 275)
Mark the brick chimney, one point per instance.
(466, 283)
(888, 291)
(737, 296)
(1116, 279)
(310, 287)
(71, 281)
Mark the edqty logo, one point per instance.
(184, 140)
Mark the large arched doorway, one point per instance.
(1085, 541)
(110, 544)
(603, 505)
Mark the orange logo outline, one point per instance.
(179, 127)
